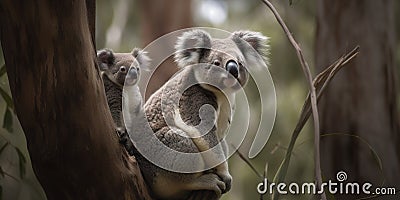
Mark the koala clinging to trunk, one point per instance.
(192, 112)
(115, 68)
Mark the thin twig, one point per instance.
(247, 162)
(307, 73)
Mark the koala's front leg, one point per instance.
(223, 173)
(206, 182)
(221, 170)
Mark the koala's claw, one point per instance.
(222, 188)
(211, 182)
(219, 187)
(125, 140)
(227, 179)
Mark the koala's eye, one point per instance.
(122, 69)
(216, 62)
(233, 68)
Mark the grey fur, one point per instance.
(192, 48)
(141, 57)
(254, 39)
(171, 185)
(113, 78)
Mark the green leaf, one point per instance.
(7, 98)
(3, 147)
(8, 121)
(22, 162)
(3, 70)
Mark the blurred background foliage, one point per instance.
(17, 179)
(120, 25)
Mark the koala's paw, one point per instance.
(125, 140)
(210, 182)
(227, 179)
(217, 185)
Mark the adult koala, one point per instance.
(192, 112)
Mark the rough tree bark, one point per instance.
(362, 99)
(60, 102)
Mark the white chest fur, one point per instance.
(226, 105)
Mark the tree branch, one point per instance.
(313, 97)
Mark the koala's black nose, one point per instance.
(132, 76)
(233, 68)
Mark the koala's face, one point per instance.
(118, 66)
(222, 62)
(224, 65)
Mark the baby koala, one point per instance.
(114, 69)
(192, 112)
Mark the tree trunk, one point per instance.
(60, 102)
(362, 99)
(159, 18)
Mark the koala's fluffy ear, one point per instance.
(191, 46)
(255, 40)
(105, 58)
(142, 58)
